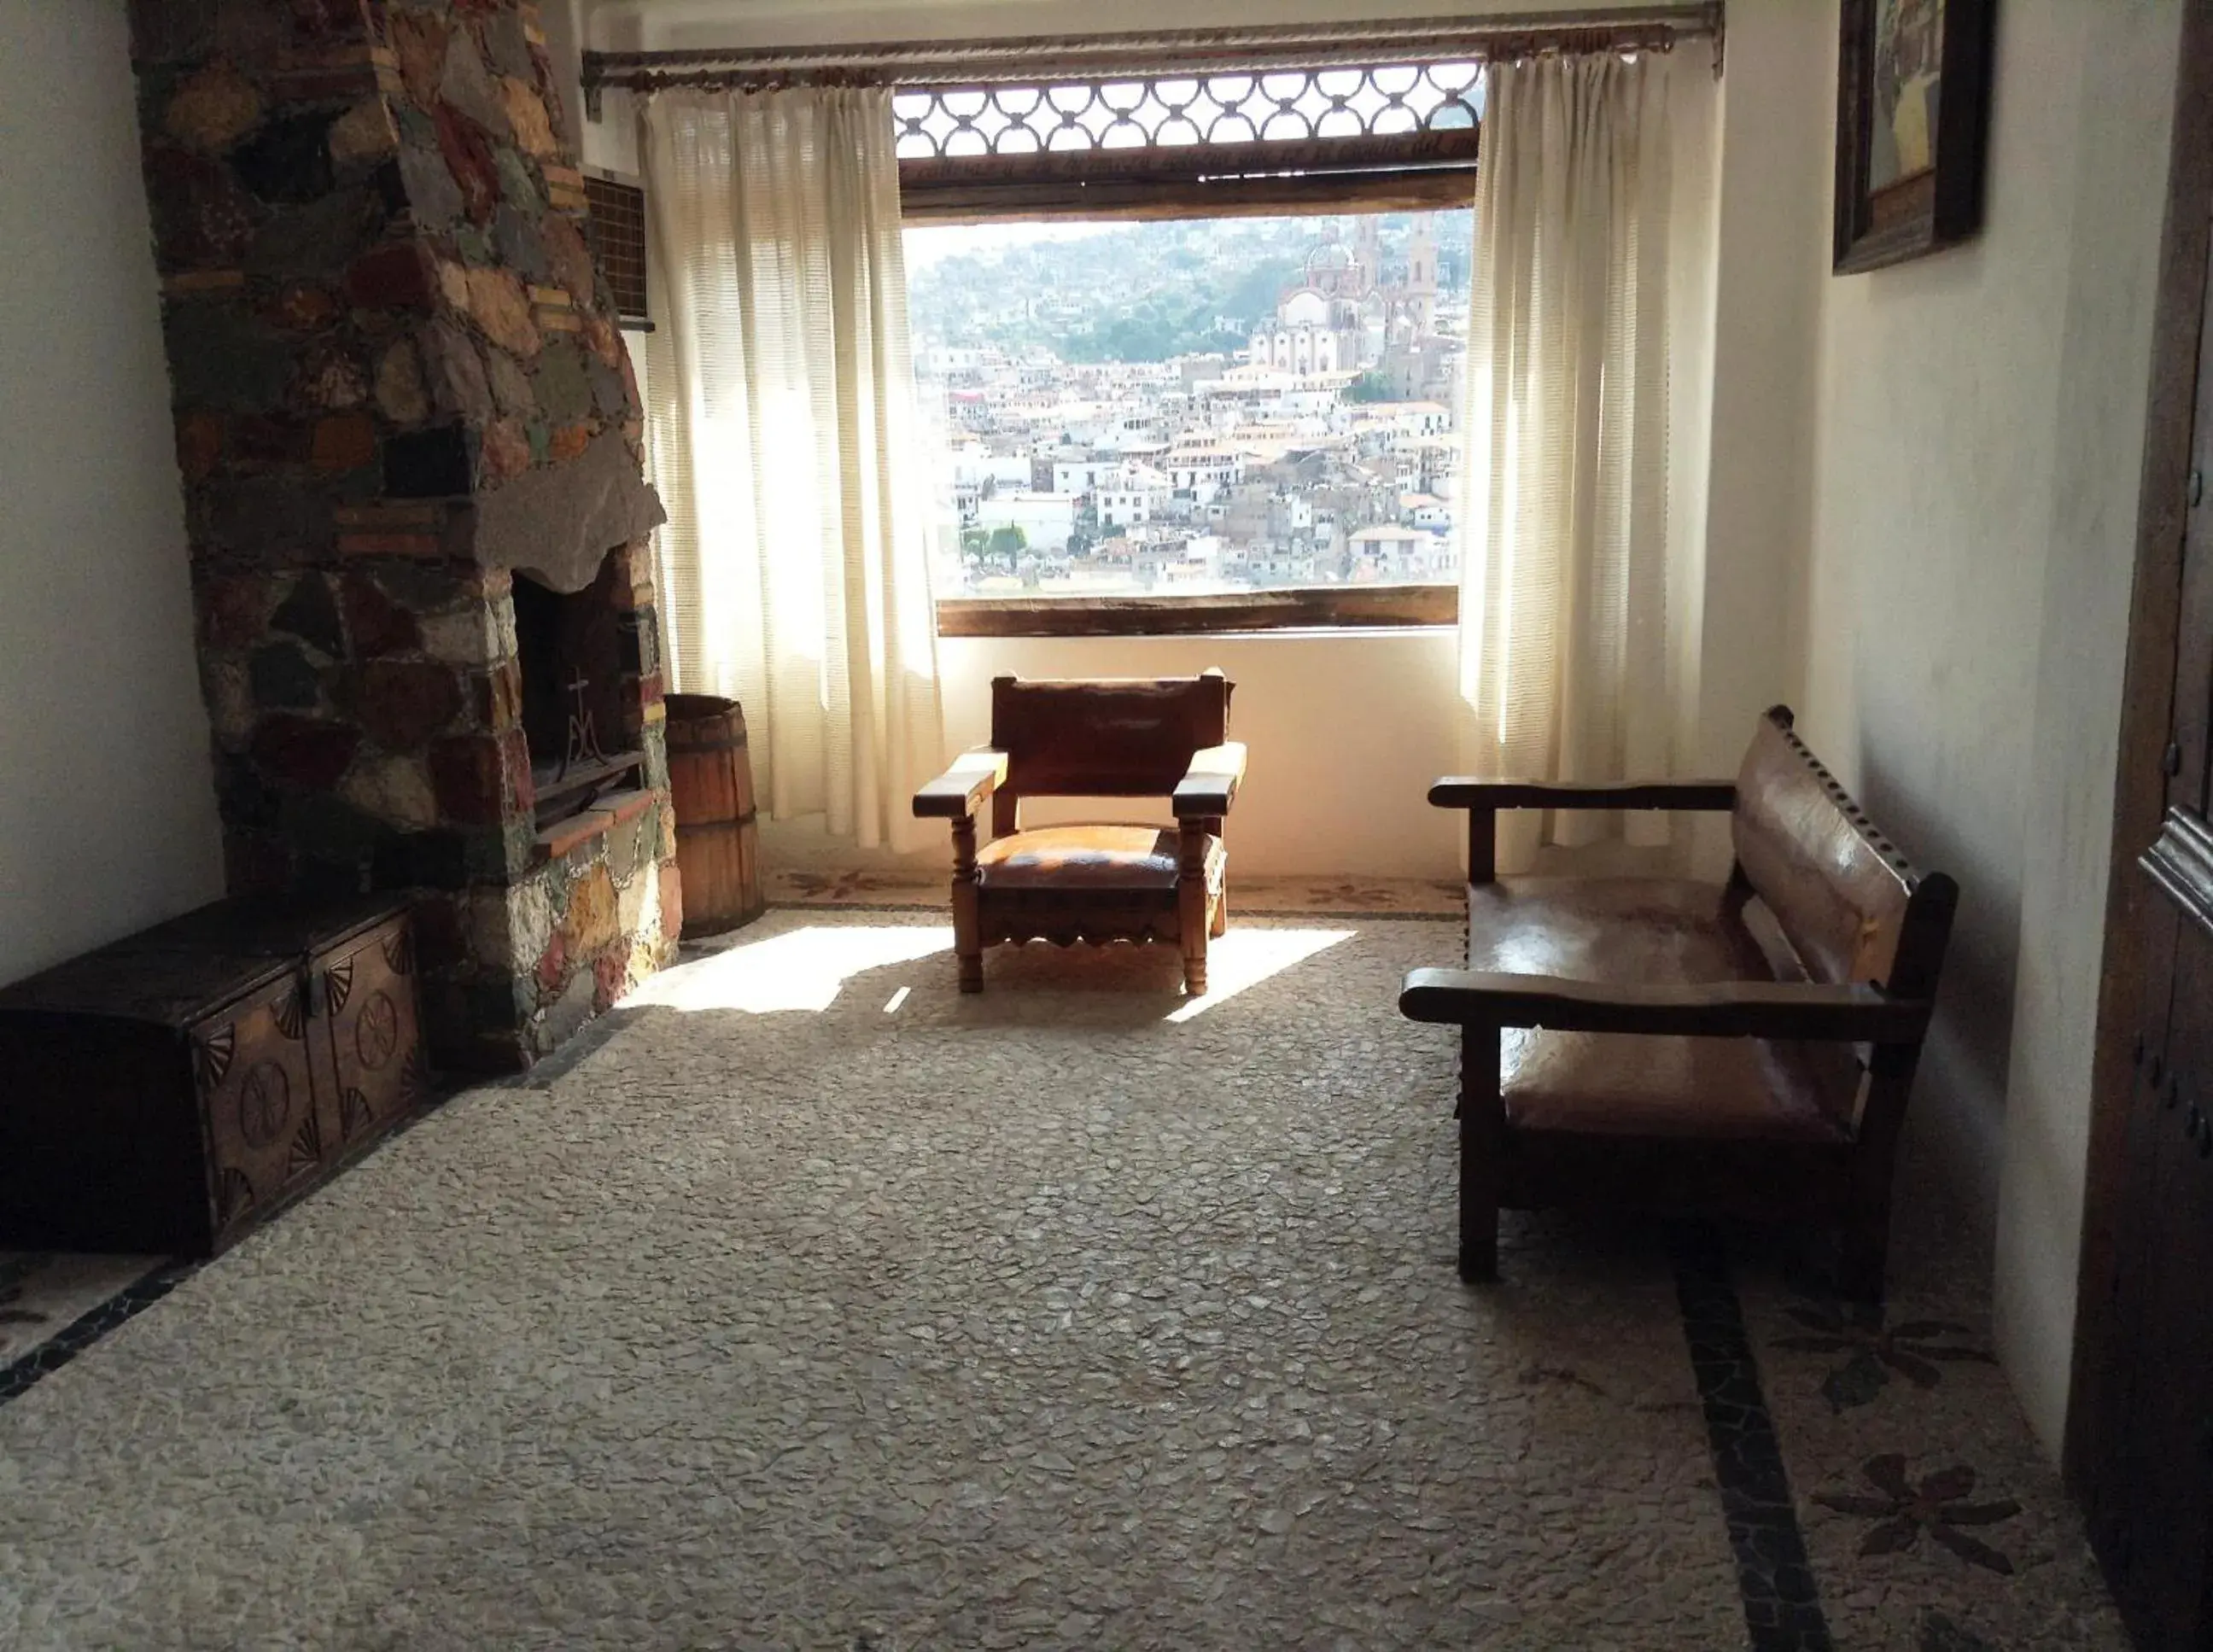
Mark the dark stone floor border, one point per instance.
(1782, 1602)
(19, 1376)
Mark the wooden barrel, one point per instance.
(711, 781)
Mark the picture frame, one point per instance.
(1913, 96)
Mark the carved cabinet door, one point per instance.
(253, 1067)
(373, 1070)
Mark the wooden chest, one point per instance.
(172, 1091)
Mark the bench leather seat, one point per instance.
(1629, 931)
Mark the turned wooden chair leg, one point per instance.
(968, 929)
(1482, 1133)
(1192, 920)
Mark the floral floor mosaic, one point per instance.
(806, 1302)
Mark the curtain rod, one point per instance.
(1003, 60)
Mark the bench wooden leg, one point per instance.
(1192, 917)
(1482, 1132)
(967, 922)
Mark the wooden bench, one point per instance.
(1741, 1049)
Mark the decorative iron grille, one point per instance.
(1165, 110)
(615, 221)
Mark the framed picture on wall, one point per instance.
(1913, 98)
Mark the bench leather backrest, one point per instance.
(1115, 737)
(1838, 889)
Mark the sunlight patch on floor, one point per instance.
(1244, 958)
(804, 969)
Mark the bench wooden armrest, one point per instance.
(1762, 1009)
(1464, 791)
(961, 790)
(1209, 784)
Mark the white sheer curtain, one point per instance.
(1564, 648)
(785, 443)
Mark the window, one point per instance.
(1195, 423)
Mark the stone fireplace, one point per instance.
(411, 443)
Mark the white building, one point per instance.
(1135, 496)
(1203, 470)
(1425, 511)
(1085, 473)
(1046, 518)
(1385, 554)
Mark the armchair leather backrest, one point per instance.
(1115, 737)
(1840, 891)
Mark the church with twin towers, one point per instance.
(1347, 312)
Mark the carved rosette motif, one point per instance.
(264, 1105)
(376, 1034)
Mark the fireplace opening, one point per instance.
(571, 649)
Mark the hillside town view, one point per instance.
(1194, 406)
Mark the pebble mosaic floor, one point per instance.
(804, 1302)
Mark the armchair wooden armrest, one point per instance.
(1209, 784)
(1465, 791)
(960, 790)
(1764, 1009)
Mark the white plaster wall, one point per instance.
(1768, 276)
(1980, 426)
(107, 819)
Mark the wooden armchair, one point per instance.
(1094, 883)
(1741, 1049)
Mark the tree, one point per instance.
(1369, 386)
(1008, 544)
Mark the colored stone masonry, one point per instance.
(398, 386)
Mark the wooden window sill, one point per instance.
(1336, 608)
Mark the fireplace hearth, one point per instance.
(569, 649)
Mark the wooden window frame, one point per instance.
(1413, 172)
(1304, 607)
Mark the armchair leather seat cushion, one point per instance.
(1629, 931)
(1118, 857)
